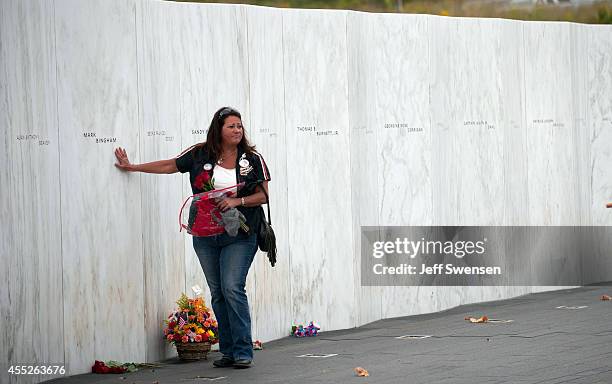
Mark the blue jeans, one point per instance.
(226, 261)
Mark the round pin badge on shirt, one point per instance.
(207, 167)
(243, 163)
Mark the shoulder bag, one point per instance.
(266, 240)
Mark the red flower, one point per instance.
(97, 367)
(201, 180)
(117, 369)
(100, 367)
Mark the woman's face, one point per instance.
(231, 132)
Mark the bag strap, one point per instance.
(181, 225)
(267, 203)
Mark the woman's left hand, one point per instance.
(230, 202)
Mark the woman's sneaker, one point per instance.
(223, 362)
(243, 363)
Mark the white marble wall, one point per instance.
(598, 92)
(401, 71)
(552, 178)
(363, 151)
(318, 168)
(159, 124)
(363, 119)
(581, 136)
(270, 292)
(101, 218)
(30, 242)
(479, 163)
(599, 105)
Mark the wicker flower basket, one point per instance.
(193, 351)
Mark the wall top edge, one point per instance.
(385, 14)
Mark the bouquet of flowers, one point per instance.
(191, 323)
(113, 366)
(204, 219)
(310, 330)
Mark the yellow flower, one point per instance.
(211, 333)
(200, 331)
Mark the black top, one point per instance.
(254, 169)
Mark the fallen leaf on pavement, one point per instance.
(482, 319)
(257, 345)
(362, 372)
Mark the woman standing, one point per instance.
(229, 158)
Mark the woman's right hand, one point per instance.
(123, 163)
(160, 166)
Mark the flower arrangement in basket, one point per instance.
(191, 328)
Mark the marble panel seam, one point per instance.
(286, 157)
(139, 125)
(59, 174)
(524, 120)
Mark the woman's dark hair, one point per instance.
(212, 145)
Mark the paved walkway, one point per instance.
(543, 344)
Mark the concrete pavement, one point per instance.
(542, 344)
